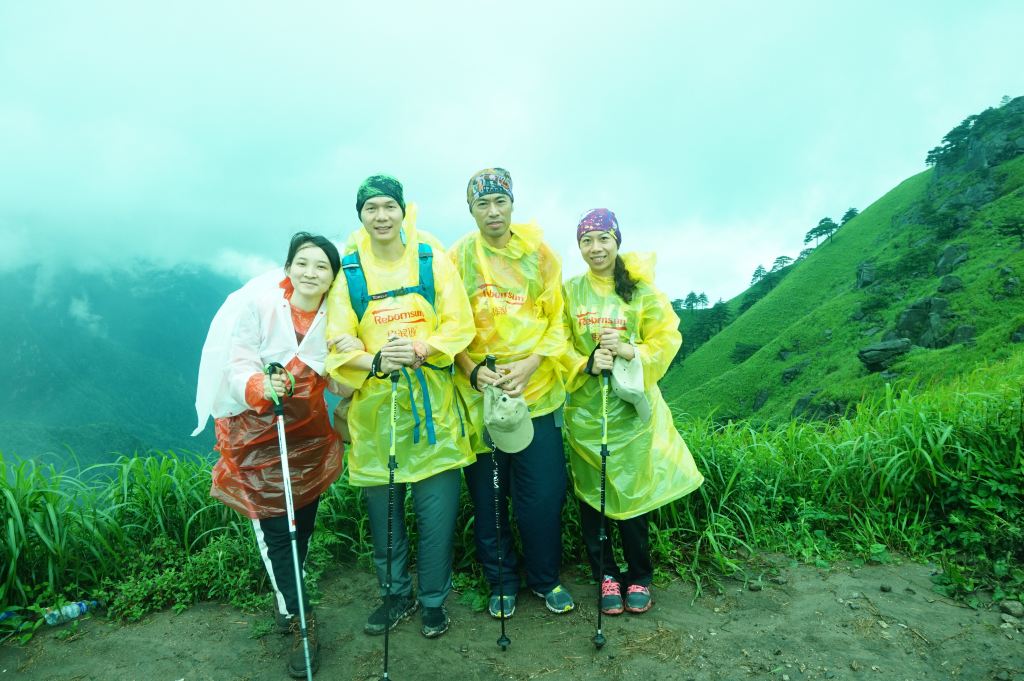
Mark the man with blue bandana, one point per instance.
(514, 283)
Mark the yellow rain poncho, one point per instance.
(516, 296)
(446, 328)
(649, 465)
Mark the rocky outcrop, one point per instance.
(953, 256)
(924, 323)
(759, 399)
(879, 356)
(950, 283)
(806, 408)
(865, 274)
(792, 372)
(964, 334)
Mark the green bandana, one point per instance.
(379, 185)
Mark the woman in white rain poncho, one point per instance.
(613, 313)
(277, 317)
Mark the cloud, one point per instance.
(242, 266)
(78, 309)
(120, 146)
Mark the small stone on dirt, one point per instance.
(855, 666)
(754, 586)
(1009, 619)
(777, 579)
(1012, 608)
(853, 606)
(1003, 676)
(885, 588)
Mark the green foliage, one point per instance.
(932, 473)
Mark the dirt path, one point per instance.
(806, 624)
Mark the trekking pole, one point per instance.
(289, 506)
(392, 465)
(503, 640)
(602, 536)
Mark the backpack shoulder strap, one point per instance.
(426, 285)
(356, 279)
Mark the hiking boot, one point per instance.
(638, 599)
(495, 602)
(282, 623)
(401, 608)
(435, 621)
(297, 655)
(611, 596)
(557, 600)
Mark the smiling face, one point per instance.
(493, 215)
(310, 273)
(382, 219)
(599, 250)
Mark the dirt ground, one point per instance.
(874, 622)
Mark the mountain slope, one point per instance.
(103, 362)
(811, 325)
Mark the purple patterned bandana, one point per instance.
(599, 220)
(489, 181)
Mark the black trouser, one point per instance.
(536, 479)
(275, 547)
(636, 546)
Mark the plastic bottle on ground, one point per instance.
(68, 612)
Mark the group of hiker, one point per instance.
(454, 364)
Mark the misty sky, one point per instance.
(718, 132)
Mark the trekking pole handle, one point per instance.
(270, 370)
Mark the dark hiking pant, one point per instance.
(275, 547)
(636, 546)
(535, 480)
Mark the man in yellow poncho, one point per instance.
(614, 314)
(403, 299)
(513, 280)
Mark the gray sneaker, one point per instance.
(402, 607)
(558, 600)
(495, 603)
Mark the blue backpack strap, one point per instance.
(360, 295)
(357, 292)
(426, 285)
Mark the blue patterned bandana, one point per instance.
(489, 181)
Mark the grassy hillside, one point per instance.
(815, 320)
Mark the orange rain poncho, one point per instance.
(255, 326)
(516, 295)
(446, 328)
(649, 464)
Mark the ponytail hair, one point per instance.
(625, 284)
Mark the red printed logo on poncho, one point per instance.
(591, 318)
(391, 315)
(495, 292)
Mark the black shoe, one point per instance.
(297, 655)
(435, 622)
(282, 623)
(401, 608)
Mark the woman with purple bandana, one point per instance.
(615, 316)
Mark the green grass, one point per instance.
(933, 472)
